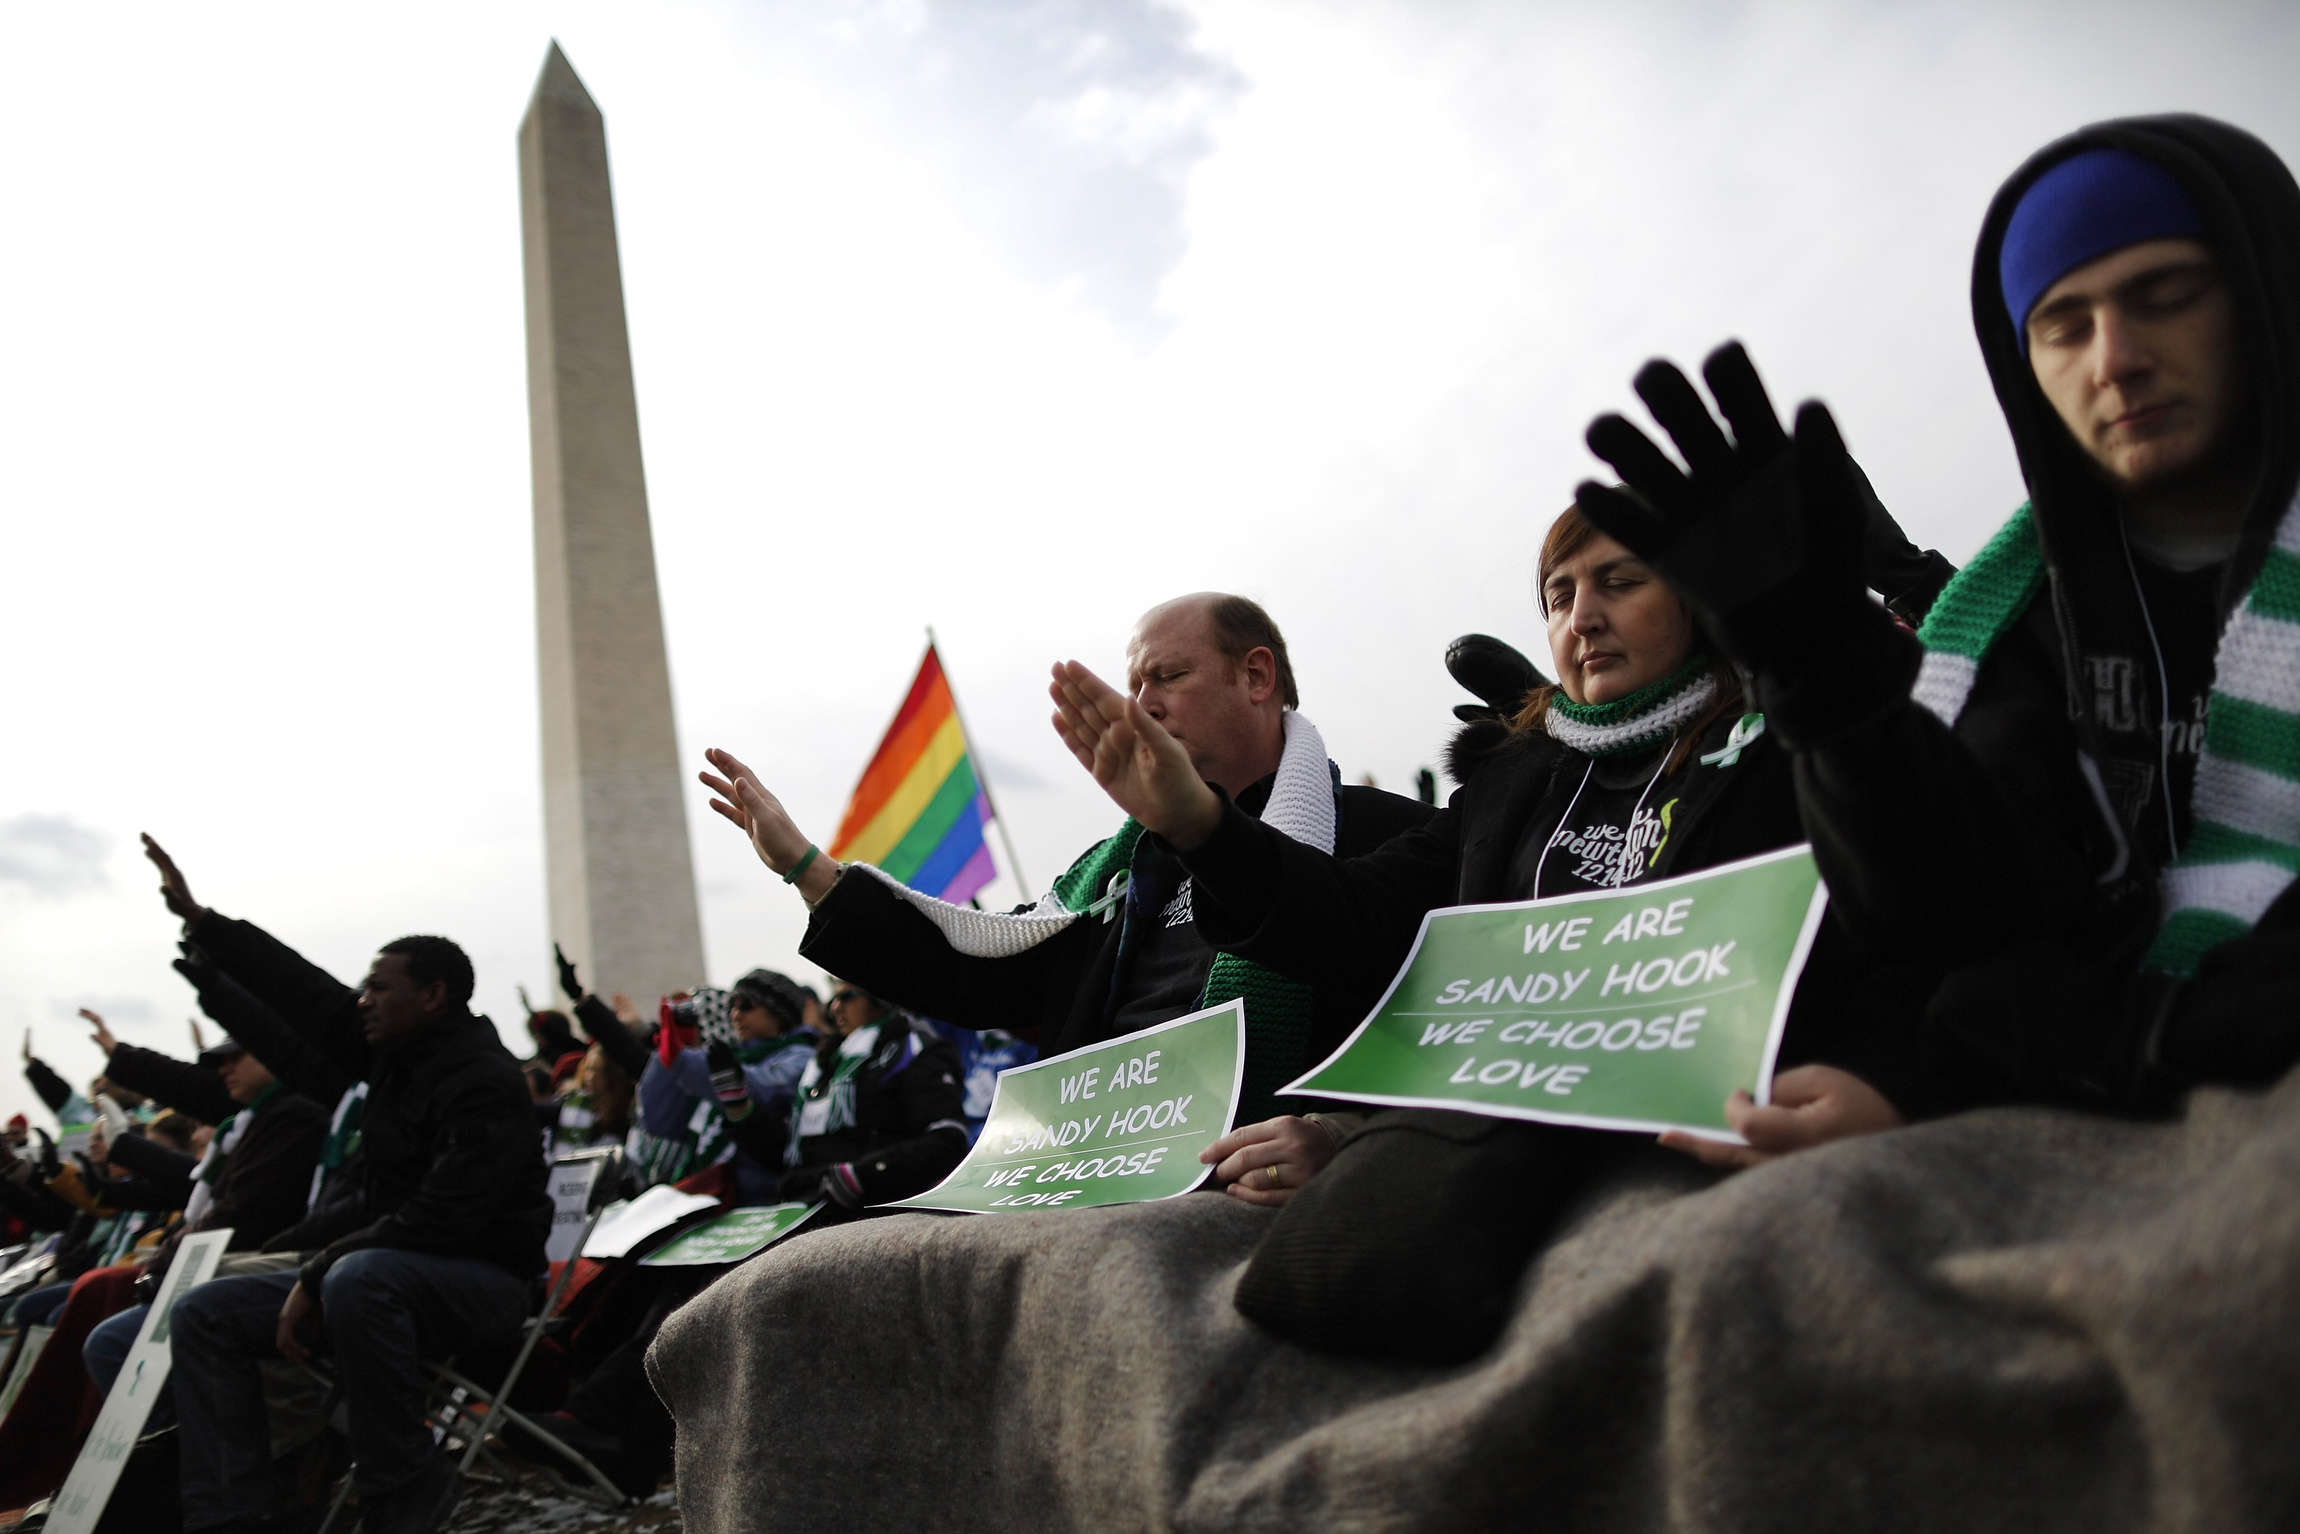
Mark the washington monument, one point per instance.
(622, 881)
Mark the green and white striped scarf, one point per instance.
(2244, 850)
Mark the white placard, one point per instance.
(571, 1185)
(628, 1222)
(35, 1338)
(121, 1422)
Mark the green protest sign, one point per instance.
(731, 1237)
(1639, 1008)
(1116, 1123)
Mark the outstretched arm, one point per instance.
(780, 844)
(174, 889)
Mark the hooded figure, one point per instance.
(2171, 659)
(2086, 812)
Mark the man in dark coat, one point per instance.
(438, 1252)
(2085, 806)
(254, 1180)
(1124, 955)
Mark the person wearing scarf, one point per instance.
(2082, 798)
(1642, 762)
(1111, 949)
(879, 1112)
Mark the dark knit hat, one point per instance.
(2088, 205)
(782, 996)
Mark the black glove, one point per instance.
(1492, 670)
(50, 1166)
(727, 1083)
(567, 981)
(2237, 1023)
(1764, 538)
(822, 1184)
(1907, 577)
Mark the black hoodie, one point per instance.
(2028, 839)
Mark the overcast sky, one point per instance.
(1012, 318)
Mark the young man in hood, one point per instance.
(2080, 803)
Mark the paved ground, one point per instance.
(536, 1503)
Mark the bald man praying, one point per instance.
(1113, 949)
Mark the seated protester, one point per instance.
(141, 1214)
(879, 1113)
(597, 1110)
(2104, 718)
(685, 1134)
(556, 1047)
(722, 1079)
(748, 1077)
(982, 1054)
(651, 1160)
(254, 1179)
(438, 1253)
(1215, 670)
(1638, 765)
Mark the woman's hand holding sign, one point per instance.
(1811, 1106)
(1140, 766)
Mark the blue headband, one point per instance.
(2083, 208)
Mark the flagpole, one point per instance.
(981, 778)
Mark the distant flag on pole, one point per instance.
(919, 812)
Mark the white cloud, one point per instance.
(50, 855)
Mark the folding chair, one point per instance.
(583, 1184)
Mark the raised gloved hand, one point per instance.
(567, 981)
(727, 1083)
(1764, 536)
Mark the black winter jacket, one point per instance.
(448, 1159)
(166, 1173)
(910, 1118)
(266, 1180)
(2021, 847)
(1351, 921)
(1060, 993)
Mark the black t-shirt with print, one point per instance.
(1166, 960)
(1610, 835)
(2184, 614)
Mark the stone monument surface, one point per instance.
(621, 875)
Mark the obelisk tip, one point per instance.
(560, 82)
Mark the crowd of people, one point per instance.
(2055, 796)
(379, 1158)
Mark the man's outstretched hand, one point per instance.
(1812, 1105)
(1140, 766)
(744, 800)
(104, 1039)
(173, 888)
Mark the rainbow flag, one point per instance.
(919, 811)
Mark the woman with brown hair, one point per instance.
(1641, 762)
